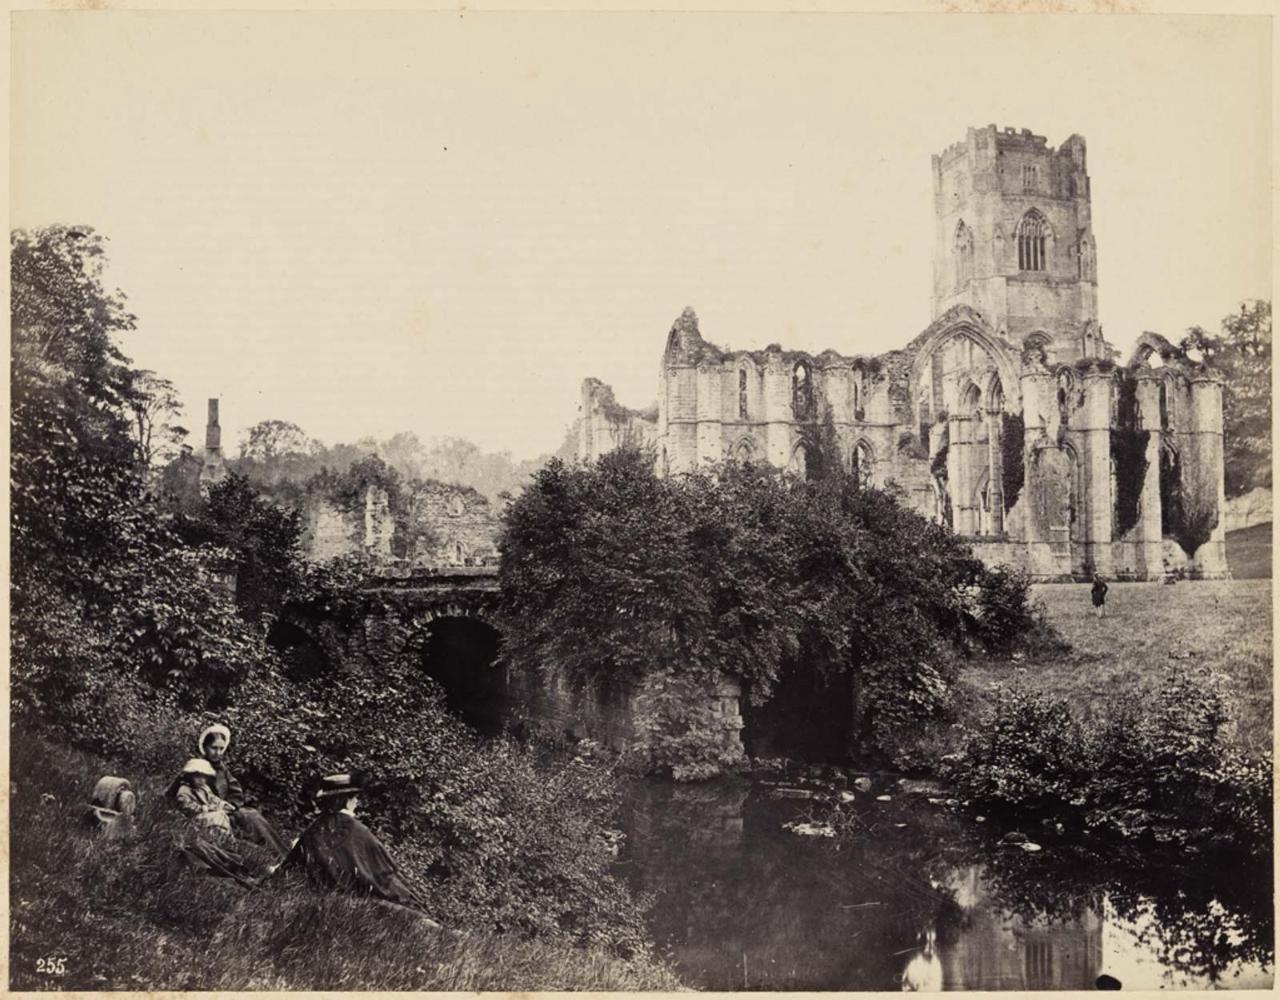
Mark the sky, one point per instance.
(368, 223)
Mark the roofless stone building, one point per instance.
(1008, 418)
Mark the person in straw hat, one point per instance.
(208, 841)
(339, 852)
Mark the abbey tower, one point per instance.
(1014, 240)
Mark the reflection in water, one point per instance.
(911, 896)
(923, 973)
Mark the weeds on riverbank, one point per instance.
(88, 913)
(1156, 767)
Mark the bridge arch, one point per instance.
(458, 648)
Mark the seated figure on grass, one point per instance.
(337, 851)
(207, 840)
(110, 810)
(246, 821)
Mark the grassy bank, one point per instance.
(1249, 552)
(131, 915)
(1225, 625)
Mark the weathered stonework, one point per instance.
(445, 526)
(1014, 343)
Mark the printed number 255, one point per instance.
(52, 966)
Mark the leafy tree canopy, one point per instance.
(1242, 353)
(609, 572)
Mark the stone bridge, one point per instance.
(445, 617)
(448, 592)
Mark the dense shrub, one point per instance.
(1156, 767)
(613, 574)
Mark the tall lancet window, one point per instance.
(1033, 237)
(962, 247)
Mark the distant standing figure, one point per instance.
(337, 851)
(1099, 593)
(246, 821)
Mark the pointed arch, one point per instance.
(744, 451)
(960, 321)
(1033, 235)
(862, 463)
(802, 390)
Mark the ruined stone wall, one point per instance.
(459, 525)
(605, 426)
(1008, 342)
(444, 526)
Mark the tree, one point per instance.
(99, 584)
(610, 573)
(271, 440)
(155, 409)
(73, 475)
(1242, 354)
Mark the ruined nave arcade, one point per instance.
(1009, 417)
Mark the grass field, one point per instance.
(91, 914)
(1249, 552)
(1225, 625)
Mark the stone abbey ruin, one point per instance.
(1009, 418)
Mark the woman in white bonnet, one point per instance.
(245, 820)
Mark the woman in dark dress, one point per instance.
(246, 821)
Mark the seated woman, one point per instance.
(111, 808)
(208, 840)
(337, 851)
(246, 821)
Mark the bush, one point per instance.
(1157, 768)
(615, 574)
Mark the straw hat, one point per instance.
(198, 765)
(339, 784)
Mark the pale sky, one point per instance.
(368, 223)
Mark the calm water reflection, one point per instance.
(914, 891)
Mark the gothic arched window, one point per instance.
(861, 463)
(1084, 258)
(1033, 234)
(802, 391)
(742, 394)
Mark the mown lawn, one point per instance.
(1225, 625)
(91, 914)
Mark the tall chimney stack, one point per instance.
(212, 432)
(214, 469)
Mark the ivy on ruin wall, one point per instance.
(1188, 510)
(687, 723)
(1013, 471)
(1128, 456)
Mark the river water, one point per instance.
(919, 891)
